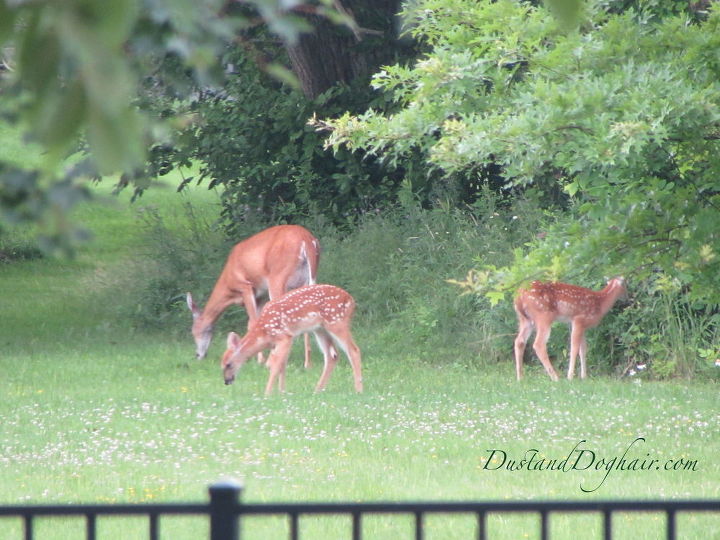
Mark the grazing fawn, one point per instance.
(324, 310)
(544, 303)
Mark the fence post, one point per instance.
(224, 503)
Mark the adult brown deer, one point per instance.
(544, 303)
(271, 262)
(324, 310)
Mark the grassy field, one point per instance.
(96, 410)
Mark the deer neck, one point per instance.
(255, 342)
(218, 302)
(608, 297)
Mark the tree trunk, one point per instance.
(332, 53)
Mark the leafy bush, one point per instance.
(662, 331)
(254, 140)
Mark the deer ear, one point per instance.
(233, 341)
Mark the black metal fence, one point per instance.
(225, 511)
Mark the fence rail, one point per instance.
(225, 511)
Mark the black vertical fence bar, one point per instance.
(670, 524)
(357, 526)
(294, 526)
(482, 525)
(224, 509)
(418, 526)
(607, 525)
(90, 526)
(544, 525)
(154, 527)
(28, 527)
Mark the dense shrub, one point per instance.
(661, 330)
(253, 138)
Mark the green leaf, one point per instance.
(7, 22)
(283, 74)
(495, 297)
(114, 140)
(571, 188)
(63, 117)
(114, 20)
(39, 58)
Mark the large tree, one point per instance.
(622, 112)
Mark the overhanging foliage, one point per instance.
(71, 72)
(623, 113)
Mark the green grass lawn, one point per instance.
(95, 410)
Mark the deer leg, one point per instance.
(540, 347)
(325, 343)
(577, 345)
(344, 338)
(308, 363)
(524, 331)
(251, 307)
(277, 361)
(583, 352)
(282, 368)
(353, 354)
(281, 377)
(259, 304)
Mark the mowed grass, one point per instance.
(94, 410)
